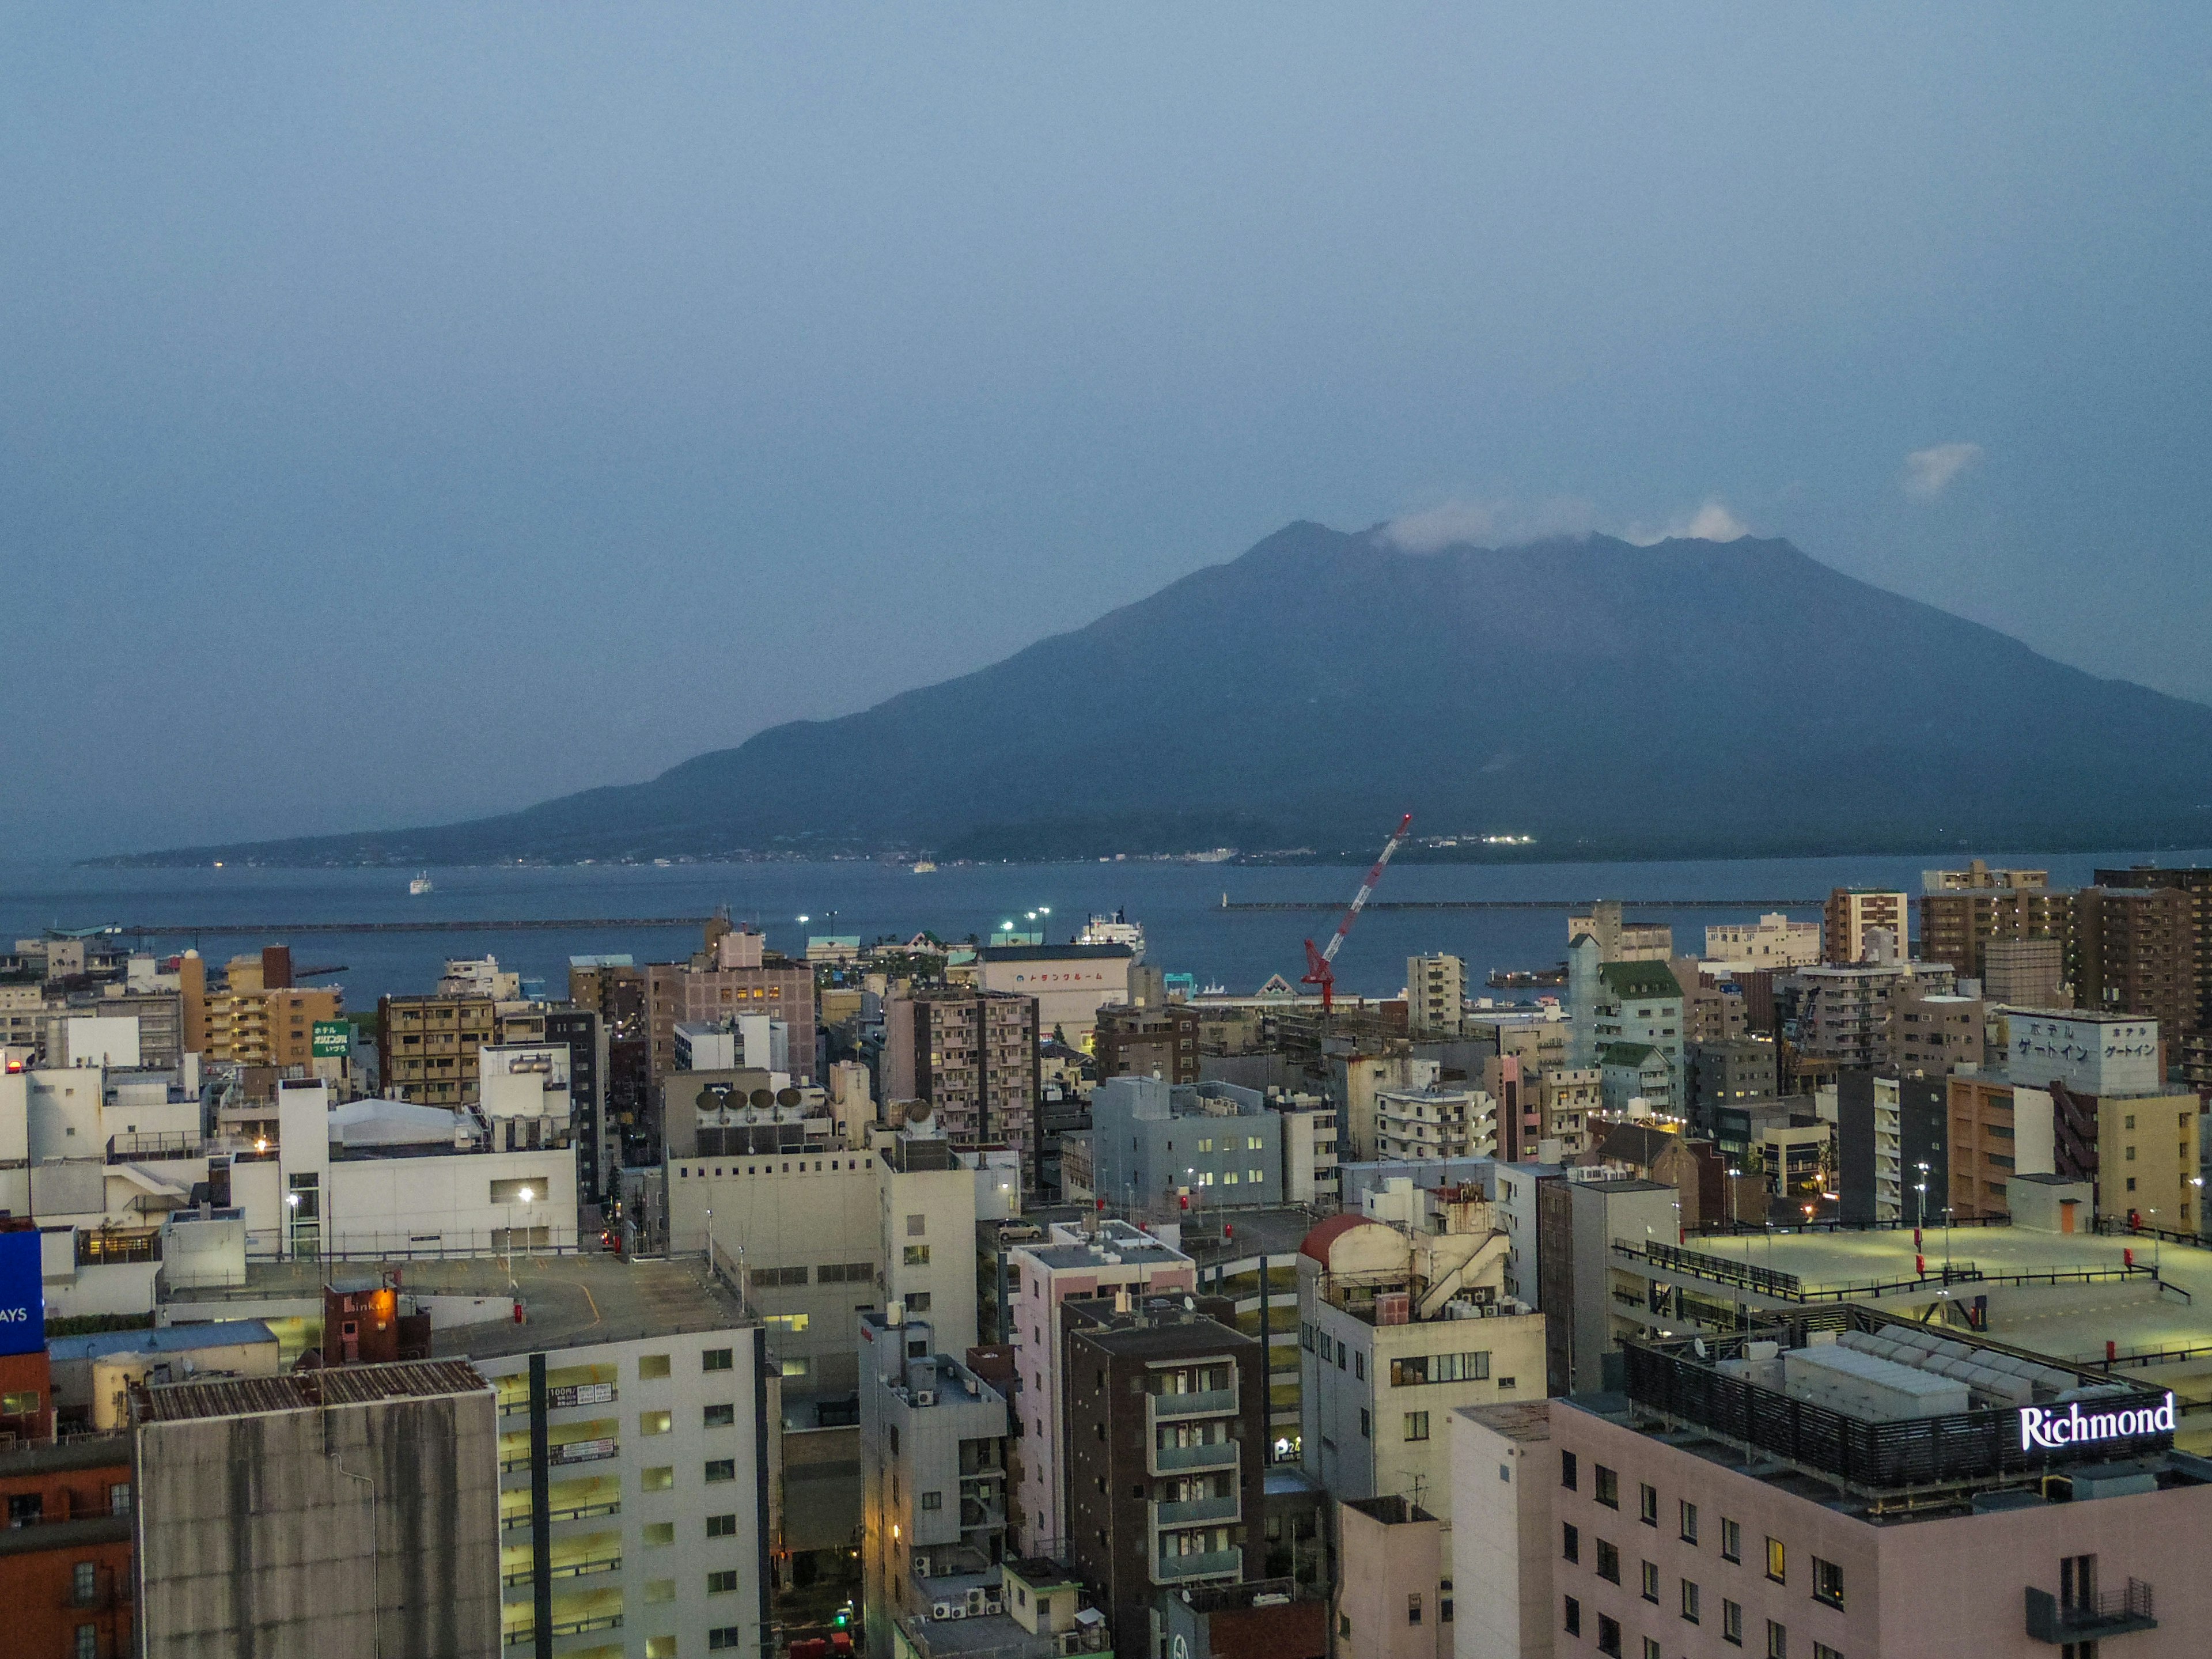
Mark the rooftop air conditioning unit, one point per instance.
(976, 1600)
(946, 1610)
(921, 1566)
(925, 1396)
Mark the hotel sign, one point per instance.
(2049, 1430)
(333, 1039)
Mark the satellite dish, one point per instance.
(707, 1103)
(787, 1097)
(1699, 1343)
(762, 1097)
(917, 1111)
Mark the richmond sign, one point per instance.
(2042, 1429)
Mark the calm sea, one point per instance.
(1178, 904)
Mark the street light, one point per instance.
(524, 1195)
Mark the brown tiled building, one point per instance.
(1160, 1042)
(2191, 1045)
(1166, 1429)
(427, 1046)
(2135, 952)
(1959, 926)
(740, 981)
(972, 1056)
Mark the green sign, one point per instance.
(333, 1039)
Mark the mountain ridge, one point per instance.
(1689, 698)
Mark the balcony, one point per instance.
(581, 1568)
(1175, 1460)
(568, 1451)
(1192, 1511)
(1210, 1564)
(1205, 1403)
(2108, 1613)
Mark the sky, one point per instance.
(412, 412)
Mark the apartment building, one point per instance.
(1843, 1012)
(1592, 1304)
(1930, 1033)
(613, 986)
(934, 1465)
(1398, 1326)
(428, 1045)
(1158, 1040)
(971, 1057)
(1964, 912)
(1166, 1424)
(1852, 912)
(1436, 995)
(1570, 1096)
(1209, 1146)
(276, 1027)
(634, 1473)
(1069, 1263)
(1437, 1122)
(2135, 952)
(2192, 1047)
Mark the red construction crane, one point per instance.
(1318, 971)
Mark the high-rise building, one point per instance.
(1068, 1262)
(2194, 1053)
(1964, 912)
(971, 1057)
(1721, 1073)
(1436, 995)
(1851, 912)
(1165, 1426)
(275, 1027)
(1843, 1012)
(2135, 952)
(613, 988)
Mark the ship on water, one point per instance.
(1116, 929)
(420, 885)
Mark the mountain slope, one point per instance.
(1611, 700)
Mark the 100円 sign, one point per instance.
(2047, 1429)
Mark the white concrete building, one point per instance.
(1503, 1470)
(1436, 995)
(1435, 1122)
(1399, 1327)
(1773, 941)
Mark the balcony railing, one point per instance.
(1191, 1511)
(2108, 1613)
(1205, 1403)
(566, 1569)
(571, 1451)
(564, 1512)
(1217, 1455)
(517, 1635)
(1209, 1563)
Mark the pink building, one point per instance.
(1845, 1485)
(1070, 1263)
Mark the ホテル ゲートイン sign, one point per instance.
(2055, 1430)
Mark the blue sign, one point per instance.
(23, 1293)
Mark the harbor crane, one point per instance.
(1319, 970)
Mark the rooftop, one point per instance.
(2129, 1309)
(342, 1385)
(1528, 1421)
(1054, 952)
(161, 1339)
(569, 1301)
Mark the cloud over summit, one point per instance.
(1928, 472)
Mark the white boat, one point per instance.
(1116, 929)
(924, 867)
(419, 886)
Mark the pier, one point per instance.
(567, 924)
(1227, 903)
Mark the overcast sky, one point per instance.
(414, 412)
